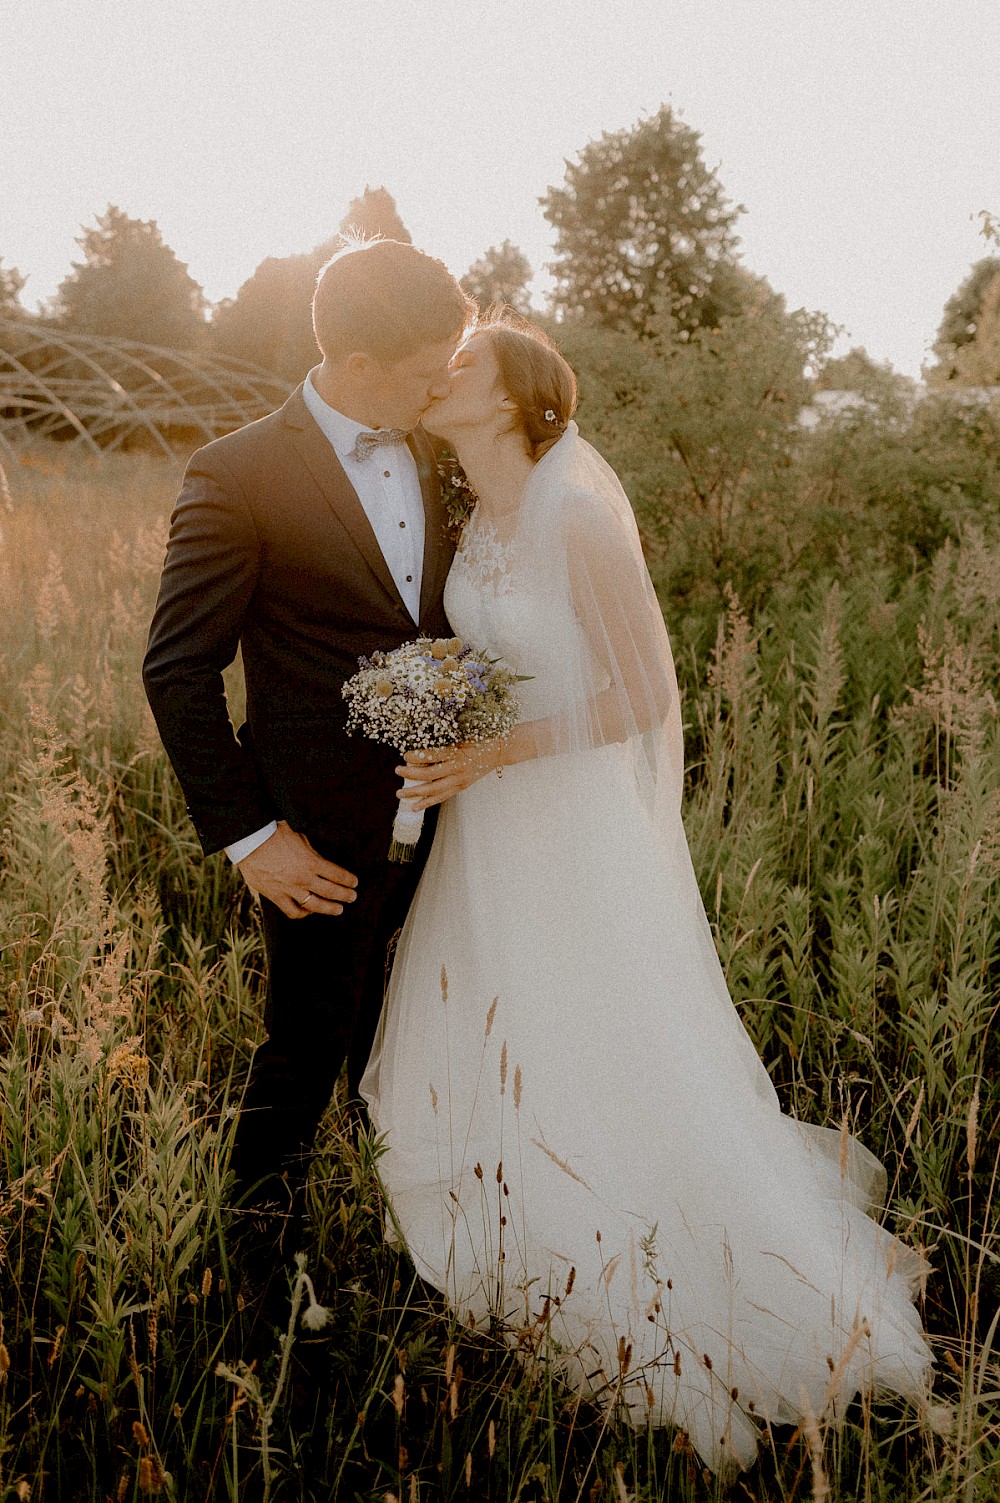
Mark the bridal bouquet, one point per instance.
(431, 692)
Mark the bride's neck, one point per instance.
(497, 468)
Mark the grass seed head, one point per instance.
(971, 1126)
(150, 1476)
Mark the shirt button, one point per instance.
(387, 473)
(402, 524)
(409, 579)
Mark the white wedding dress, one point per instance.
(579, 1135)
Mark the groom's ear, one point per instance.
(359, 365)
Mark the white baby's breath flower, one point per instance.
(315, 1316)
(430, 692)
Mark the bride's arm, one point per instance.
(626, 671)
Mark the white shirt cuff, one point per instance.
(243, 848)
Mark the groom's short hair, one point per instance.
(387, 299)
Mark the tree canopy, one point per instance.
(960, 319)
(700, 425)
(11, 286)
(875, 380)
(374, 214)
(130, 285)
(977, 361)
(501, 275)
(269, 322)
(641, 222)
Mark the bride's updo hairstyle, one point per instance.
(533, 375)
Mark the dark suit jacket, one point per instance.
(270, 550)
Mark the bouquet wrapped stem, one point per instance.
(406, 828)
(431, 692)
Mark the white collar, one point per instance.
(341, 431)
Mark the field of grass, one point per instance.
(844, 818)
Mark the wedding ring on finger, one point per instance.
(304, 903)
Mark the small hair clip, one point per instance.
(550, 416)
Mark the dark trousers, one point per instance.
(326, 981)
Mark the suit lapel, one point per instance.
(437, 548)
(325, 468)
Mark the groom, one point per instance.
(307, 539)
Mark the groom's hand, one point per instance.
(287, 870)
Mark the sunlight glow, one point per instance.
(863, 140)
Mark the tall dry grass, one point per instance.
(844, 817)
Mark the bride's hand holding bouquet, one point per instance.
(438, 773)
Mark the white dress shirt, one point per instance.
(388, 488)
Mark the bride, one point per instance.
(579, 1135)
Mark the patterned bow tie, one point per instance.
(366, 443)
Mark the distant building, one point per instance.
(826, 405)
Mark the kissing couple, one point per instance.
(570, 1108)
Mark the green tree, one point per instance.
(269, 322)
(733, 290)
(640, 223)
(11, 286)
(701, 427)
(977, 362)
(858, 372)
(501, 275)
(130, 285)
(960, 319)
(374, 214)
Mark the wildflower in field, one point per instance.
(315, 1316)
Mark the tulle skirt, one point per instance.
(579, 1135)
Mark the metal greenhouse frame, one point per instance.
(105, 394)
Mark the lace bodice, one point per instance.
(493, 600)
(486, 560)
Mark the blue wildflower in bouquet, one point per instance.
(431, 692)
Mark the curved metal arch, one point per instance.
(127, 387)
(207, 371)
(252, 374)
(61, 350)
(53, 400)
(202, 373)
(124, 350)
(187, 414)
(103, 376)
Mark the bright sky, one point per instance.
(863, 136)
